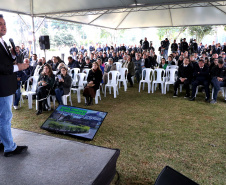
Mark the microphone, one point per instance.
(13, 46)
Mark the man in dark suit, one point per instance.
(184, 77)
(8, 86)
(201, 77)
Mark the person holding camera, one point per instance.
(63, 84)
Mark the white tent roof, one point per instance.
(124, 14)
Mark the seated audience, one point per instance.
(185, 73)
(201, 77)
(163, 64)
(109, 67)
(93, 83)
(130, 66)
(218, 76)
(63, 84)
(45, 84)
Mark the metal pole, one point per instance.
(33, 33)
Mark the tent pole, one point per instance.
(33, 26)
(33, 33)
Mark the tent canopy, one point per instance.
(124, 14)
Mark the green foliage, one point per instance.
(62, 25)
(63, 38)
(224, 28)
(199, 32)
(170, 32)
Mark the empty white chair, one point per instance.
(147, 78)
(112, 83)
(79, 86)
(158, 78)
(96, 97)
(118, 65)
(73, 73)
(64, 98)
(123, 78)
(223, 90)
(31, 90)
(170, 78)
(86, 71)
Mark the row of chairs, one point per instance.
(165, 78)
(153, 77)
(78, 82)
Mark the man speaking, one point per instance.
(8, 86)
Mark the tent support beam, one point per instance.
(218, 8)
(122, 20)
(96, 18)
(171, 17)
(41, 24)
(23, 21)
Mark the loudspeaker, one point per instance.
(169, 176)
(44, 42)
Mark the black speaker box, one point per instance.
(44, 42)
(169, 176)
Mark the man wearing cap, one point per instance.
(218, 79)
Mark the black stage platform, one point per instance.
(51, 160)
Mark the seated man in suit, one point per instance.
(218, 79)
(201, 77)
(109, 67)
(185, 72)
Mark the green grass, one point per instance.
(152, 131)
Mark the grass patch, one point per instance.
(152, 131)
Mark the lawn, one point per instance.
(152, 131)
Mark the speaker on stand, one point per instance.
(44, 43)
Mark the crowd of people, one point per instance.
(197, 65)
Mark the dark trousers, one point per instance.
(41, 94)
(217, 86)
(59, 93)
(186, 86)
(205, 83)
(129, 79)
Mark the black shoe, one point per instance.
(175, 95)
(207, 100)
(90, 101)
(192, 99)
(38, 112)
(1, 147)
(18, 150)
(187, 96)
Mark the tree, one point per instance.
(63, 38)
(224, 28)
(199, 32)
(170, 33)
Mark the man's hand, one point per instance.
(220, 79)
(182, 79)
(23, 66)
(18, 78)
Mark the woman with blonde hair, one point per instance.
(93, 83)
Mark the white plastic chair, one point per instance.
(123, 78)
(223, 90)
(96, 97)
(158, 78)
(76, 71)
(147, 78)
(118, 65)
(64, 98)
(112, 83)
(31, 90)
(79, 86)
(170, 78)
(86, 71)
